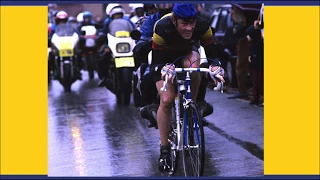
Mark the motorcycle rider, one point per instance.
(177, 35)
(61, 18)
(149, 9)
(108, 20)
(86, 20)
(116, 23)
(141, 51)
(138, 11)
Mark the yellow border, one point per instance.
(291, 90)
(24, 114)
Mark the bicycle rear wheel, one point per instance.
(193, 152)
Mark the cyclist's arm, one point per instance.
(158, 46)
(209, 45)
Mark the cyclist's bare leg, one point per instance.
(195, 77)
(164, 113)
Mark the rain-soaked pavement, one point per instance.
(89, 135)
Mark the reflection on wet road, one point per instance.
(90, 135)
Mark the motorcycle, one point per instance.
(63, 47)
(89, 33)
(122, 65)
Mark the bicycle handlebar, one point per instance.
(179, 70)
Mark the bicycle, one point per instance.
(187, 132)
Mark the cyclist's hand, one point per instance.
(216, 72)
(168, 69)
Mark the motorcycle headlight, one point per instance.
(123, 47)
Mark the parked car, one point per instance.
(225, 36)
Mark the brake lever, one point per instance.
(164, 88)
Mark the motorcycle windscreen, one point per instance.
(64, 30)
(122, 26)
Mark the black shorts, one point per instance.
(170, 58)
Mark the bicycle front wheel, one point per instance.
(193, 143)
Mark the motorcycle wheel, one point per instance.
(90, 62)
(67, 79)
(126, 81)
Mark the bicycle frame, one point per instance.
(187, 99)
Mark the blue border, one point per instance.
(270, 3)
(269, 177)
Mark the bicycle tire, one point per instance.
(193, 168)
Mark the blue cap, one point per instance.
(185, 11)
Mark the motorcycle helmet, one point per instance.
(135, 6)
(139, 10)
(87, 15)
(72, 19)
(185, 11)
(116, 10)
(149, 9)
(111, 6)
(80, 18)
(164, 8)
(61, 17)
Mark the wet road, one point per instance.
(89, 135)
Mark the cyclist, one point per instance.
(141, 51)
(177, 35)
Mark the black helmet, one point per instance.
(147, 7)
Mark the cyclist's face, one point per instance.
(186, 28)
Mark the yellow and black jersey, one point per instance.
(166, 37)
(168, 44)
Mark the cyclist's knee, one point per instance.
(166, 101)
(192, 60)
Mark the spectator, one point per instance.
(256, 59)
(242, 64)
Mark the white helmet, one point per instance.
(62, 15)
(116, 11)
(110, 7)
(134, 6)
(80, 17)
